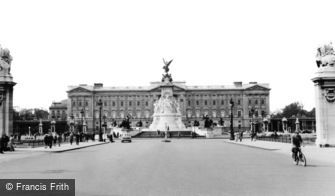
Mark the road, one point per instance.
(181, 167)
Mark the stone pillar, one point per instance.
(324, 82)
(6, 93)
(40, 127)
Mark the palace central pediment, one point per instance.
(79, 90)
(258, 87)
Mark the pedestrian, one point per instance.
(2, 144)
(71, 138)
(111, 138)
(46, 140)
(5, 142)
(236, 136)
(252, 135)
(11, 143)
(77, 138)
(59, 140)
(64, 135)
(241, 136)
(55, 139)
(50, 139)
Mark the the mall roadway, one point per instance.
(182, 167)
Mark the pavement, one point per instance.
(195, 167)
(312, 152)
(29, 152)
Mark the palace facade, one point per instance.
(251, 103)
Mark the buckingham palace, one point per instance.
(251, 103)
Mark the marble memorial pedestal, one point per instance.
(167, 111)
(324, 82)
(6, 104)
(6, 93)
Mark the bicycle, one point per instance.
(298, 156)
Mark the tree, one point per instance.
(294, 109)
(31, 114)
(41, 114)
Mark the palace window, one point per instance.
(129, 103)
(214, 102)
(238, 102)
(263, 113)
(73, 103)
(86, 103)
(262, 101)
(189, 103)
(197, 102)
(138, 103)
(205, 102)
(105, 103)
(239, 113)
(256, 101)
(121, 103)
(146, 103)
(249, 101)
(222, 102)
(113, 103)
(256, 113)
(79, 103)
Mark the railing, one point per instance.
(39, 142)
(282, 139)
(285, 139)
(29, 143)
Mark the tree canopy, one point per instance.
(31, 114)
(294, 109)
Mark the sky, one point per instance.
(56, 44)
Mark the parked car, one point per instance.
(125, 137)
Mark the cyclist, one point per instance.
(296, 144)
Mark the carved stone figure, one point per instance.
(325, 56)
(5, 61)
(167, 77)
(166, 105)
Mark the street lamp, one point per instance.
(231, 103)
(72, 124)
(284, 120)
(266, 121)
(40, 127)
(82, 119)
(53, 126)
(252, 119)
(100, 131)
(105, 125)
